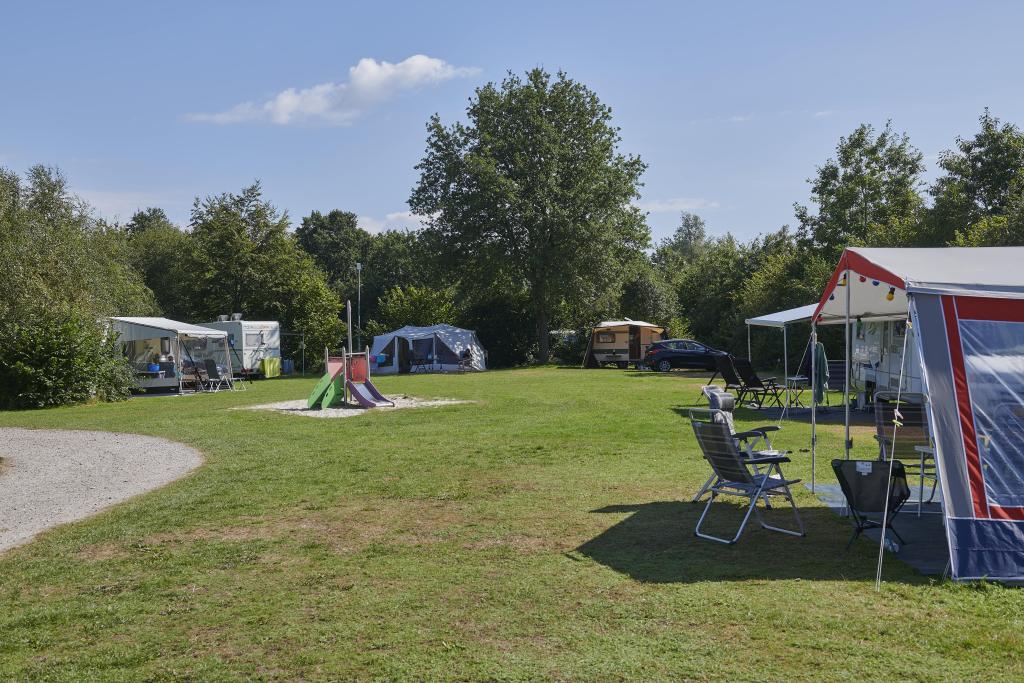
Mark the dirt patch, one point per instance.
(400, 401)
(344, 529)
(526, 545)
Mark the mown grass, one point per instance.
(541, 532)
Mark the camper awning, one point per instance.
(783, 318)
(625, 323)
(881, 278)
(140, 328)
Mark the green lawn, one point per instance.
(541, 532)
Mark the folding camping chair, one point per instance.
(755, 387)
(911, 436)
(724, 365)
(836, 378)
(737, 476)
(864, 484)
(214, 379)
(720, 408)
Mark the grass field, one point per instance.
(539, 533)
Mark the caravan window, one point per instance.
(605, 337)
(253, 339)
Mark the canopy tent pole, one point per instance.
(750, 355)
(785, 363)
(814, 397)
(846, 380)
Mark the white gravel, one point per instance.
(53, 476)
(401, 401)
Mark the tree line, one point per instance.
(530, 225)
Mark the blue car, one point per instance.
(665, 355)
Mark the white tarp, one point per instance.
(783, 318)
(442, 345)
(130, 329)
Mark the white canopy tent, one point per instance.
(967, 308)
(173, 347)
(437, 347)
(782, 320)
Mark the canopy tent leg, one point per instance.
(846, 380)
(750, 356)
(785, 364)
(814, 399)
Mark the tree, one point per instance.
(336, 243)
(982, 177)
(412, 305)
(674, 253)
(162, 253)
(868, 194)
(242, 260)
(533, 189)
(61, 272)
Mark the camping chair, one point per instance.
(750, 442)
(909, 437)
(465, 361)
(734, 476)
(723, 363)
(864, 484)
(836, 377)
(214, 379)
(756, 388)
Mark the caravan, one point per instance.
(877, 358)
(621, 342)
(255, 344)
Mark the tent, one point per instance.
(966, 306)
(782, 320)
(438, 347)
(162, 350)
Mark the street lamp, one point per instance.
(359, 303)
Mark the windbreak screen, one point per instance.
(972, 351)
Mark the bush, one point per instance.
(50, 358)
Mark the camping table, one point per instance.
(926, 452)
(150, 374)
(795, 387)
(421, 364)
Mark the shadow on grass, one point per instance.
(656, 544)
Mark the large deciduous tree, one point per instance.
(869, 194)
(533, 189)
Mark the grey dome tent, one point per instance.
(437, 347)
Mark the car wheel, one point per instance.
(664, 366)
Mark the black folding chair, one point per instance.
(214, 379)
(723, 362)
(755, 387)
(864, 484)
(737, 476)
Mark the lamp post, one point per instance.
(359, 303)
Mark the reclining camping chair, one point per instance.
(723, 362)
(739, 476)
(864, 484)
(911, 437)
(720, 408)
(756, 388)
(214, 379)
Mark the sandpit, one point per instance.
(56, 476)
(401, 402)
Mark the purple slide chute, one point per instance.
(367, 395)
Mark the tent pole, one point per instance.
(750, 356)
(814, 398)
(785, 363)
(846, 379)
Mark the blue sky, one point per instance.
(731, 105)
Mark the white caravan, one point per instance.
(250, 341)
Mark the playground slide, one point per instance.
(334, 366)
(367, 395)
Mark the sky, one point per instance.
(731, 105)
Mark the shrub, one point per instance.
(55, 357)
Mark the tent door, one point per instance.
(404, 359)
(634, 343)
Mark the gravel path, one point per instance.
(53, 476)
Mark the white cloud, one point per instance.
(740, 118)
(676, 204)
(396, 220)
(339, 104)
(823, 113)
